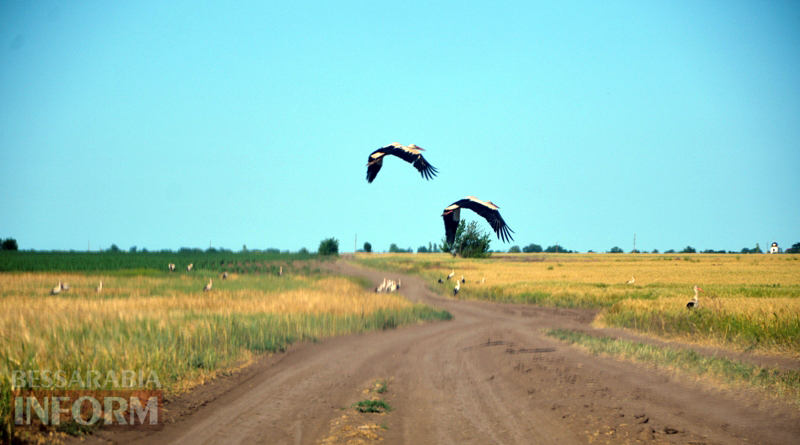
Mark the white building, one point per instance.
(774, 248)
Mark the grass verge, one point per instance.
(784, 384)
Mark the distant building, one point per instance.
(774, 248)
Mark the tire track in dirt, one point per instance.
(488, 376)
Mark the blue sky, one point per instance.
(179, 124)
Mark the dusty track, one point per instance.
(487, 376)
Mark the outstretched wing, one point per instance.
(491, 213)
(451, 216)
(415, 158)
(375, 161)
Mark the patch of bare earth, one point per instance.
(490, 375)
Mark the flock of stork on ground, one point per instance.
(62, 286)
(452, 216)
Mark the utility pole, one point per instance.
(634, 243)
(355, 244)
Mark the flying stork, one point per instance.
(486, 209)
(410, 153)
(693, 303)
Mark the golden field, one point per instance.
(749, 301)
(168, 324)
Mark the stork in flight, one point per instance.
(693, 303)
(486, 209)
(411, 154)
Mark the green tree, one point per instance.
(514, 249)
(615, 249)
(689, 249)
(367, 247)
(10, 244)
(794, 249)
(422, 249)
(329, 246)
(470, 241)
(114, 248)
(532, 248)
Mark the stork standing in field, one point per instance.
(64, 286)
(189, 267)
(486, 209)
(171, 267)
(452, 274)
(693, 303)
(207, 287)
(56, 290)
(462, 279)
(224, 275)
(481, 281)
(457, 288)
(382, 287)
(632, 280)
(280, 272)
(99, 288)
(411, 154)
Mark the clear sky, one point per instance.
(182, 123)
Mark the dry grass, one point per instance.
(750, 301)
(185, 334)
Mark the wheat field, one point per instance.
(749, 301)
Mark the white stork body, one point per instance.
(189, 267)
(65, 286)
(382, 287)
(632, 280)
(457, 288)
(171, 267)
(693, 303)
(486, 209)
(207, 287)
(392, 286)
(99, 288)
(462, 279)
(410, 153)
(452, 274)
(224, 275)
(280, 271)
(56, 290)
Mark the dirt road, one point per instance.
(487, 376)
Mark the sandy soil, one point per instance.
(488, 376)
